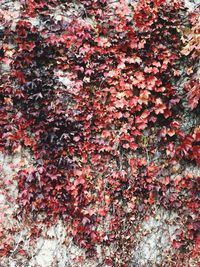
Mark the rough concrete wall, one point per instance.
(53, 246)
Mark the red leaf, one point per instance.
(102, 211)
(196, 250)
(177, 244)
(166, 180)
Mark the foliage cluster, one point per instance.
(109, 144)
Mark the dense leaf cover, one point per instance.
(109, 144)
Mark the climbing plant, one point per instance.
(109, 143)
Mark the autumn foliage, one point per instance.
(109, 144)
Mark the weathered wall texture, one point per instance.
(52, 246)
